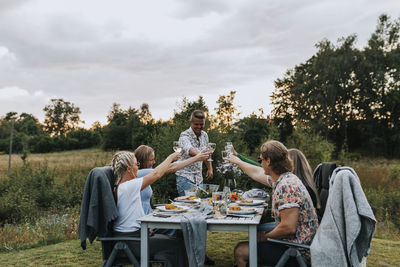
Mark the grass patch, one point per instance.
(219, 246)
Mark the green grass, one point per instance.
(219, 246)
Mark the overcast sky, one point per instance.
(97, 52)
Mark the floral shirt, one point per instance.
(188, 140)
(289, 192)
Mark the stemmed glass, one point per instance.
(229, 147)
(225, 155)
(176, 146)
(211, 148)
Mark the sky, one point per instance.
(94, 53)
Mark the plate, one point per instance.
(197, 200)
(184, 208)
(256, 202)
(242, 211)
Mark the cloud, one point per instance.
(201, 8)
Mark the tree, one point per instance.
(226, 112)
(61, 117)
(145, 114)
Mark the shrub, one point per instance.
(314, 147)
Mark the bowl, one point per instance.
(190, 193)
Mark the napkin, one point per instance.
(255, 193)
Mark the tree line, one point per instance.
(341, 101)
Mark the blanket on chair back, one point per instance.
(98, 208)
(345, 233)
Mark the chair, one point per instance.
(325, 178)
(98, 212)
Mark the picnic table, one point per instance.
(230, 223)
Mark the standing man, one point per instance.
(193, 141)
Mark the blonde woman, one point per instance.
(127, 195)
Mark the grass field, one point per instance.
(219, 246)
(373, 173)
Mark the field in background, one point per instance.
(63, 163)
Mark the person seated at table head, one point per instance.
(127, 195)
(292, 207)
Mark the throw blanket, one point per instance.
(194, 229)
(98, 208)
(255, 193)
(345, 233)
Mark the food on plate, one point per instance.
(172, 207)
(186, 198)
(246, 201)
(234, 208)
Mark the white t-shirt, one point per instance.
(129, 206)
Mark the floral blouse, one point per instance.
(289, 192)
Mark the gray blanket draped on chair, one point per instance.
(98, 207)
(345, 233)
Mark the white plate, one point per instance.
(184, 208)
(256, 202)
(197, 200)
(241, 212)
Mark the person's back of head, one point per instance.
(302, 169)
(278, 155)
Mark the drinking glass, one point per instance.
(225, 155)
(229, 147)
(176, 146)
(219, 205)
(211, 148)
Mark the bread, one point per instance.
(246, 201)
(170, 207)
(234, 208)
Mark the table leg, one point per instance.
(253, 246)
(144, 245)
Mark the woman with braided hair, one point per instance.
(129, 205)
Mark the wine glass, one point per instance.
(211, 148)
(176, 146)
(225, 155)
(229, 147)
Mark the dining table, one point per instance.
(163, 220)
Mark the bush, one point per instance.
(27, 193)
(313, 146)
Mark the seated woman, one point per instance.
(129, 205)
(292, 207)
(146, 157)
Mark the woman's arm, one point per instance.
(254, 172)
(160, 170)
(252, 162)
(173, 167)
(287, 226)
